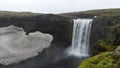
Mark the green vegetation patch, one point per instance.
(101, 46)
(103, 60)
(18, 14)
(99, 12)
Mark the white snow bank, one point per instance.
(15, 46)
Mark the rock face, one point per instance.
(116, 51)
(16, 46)
(102, 28)
(105, 28)
(60, 27)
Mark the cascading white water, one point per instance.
(80, 39)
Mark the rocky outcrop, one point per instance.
(116, 51)
(103, 28)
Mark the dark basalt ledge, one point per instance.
(59, 26)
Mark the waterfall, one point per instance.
(80, 39)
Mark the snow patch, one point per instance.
(16, 46)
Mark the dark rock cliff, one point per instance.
(105, 28)
(60, 27)
(102, 26)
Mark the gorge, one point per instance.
(96, 35)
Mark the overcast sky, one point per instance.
(56, 6)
